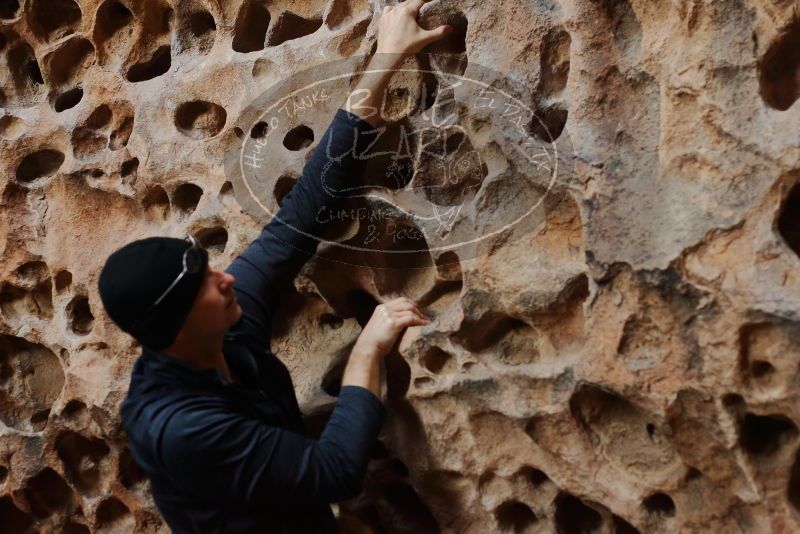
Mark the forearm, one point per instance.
(363, 369)
(367, 99)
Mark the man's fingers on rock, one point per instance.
(413, 5)
(430, 36)
(408, 318)
(399, 301)
(404, 303)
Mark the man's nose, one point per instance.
(228, 279)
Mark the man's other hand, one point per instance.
(387, 322)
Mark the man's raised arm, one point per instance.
(287, 241)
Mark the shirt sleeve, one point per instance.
(214, 454)
(287, 241)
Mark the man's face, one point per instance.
(215, 308)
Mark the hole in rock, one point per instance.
(379, 450)
(76, 528)
(298, 137)
(113, 515)
(450, 169)
(360, 305)
(74, 408)
(392, 165)
(623, 527)
(156, 201)
(793, 491)
(450, 53)
(80, 315)
(112, 19)
(3, 473)
(535, 477)
(25, 69)
(48, 493)
(32, 271)
(167, 14)
(398, 376)
(449, 266)
(627, 32)
(779, 70)
(100, 117)
(69, 61)
(40, 164)
(11, 127)
(621, 427)
(86, 144)
(548, 124)
(130, 474)
(32, 379)
(355, 36)
(201, 22)
(733, 401)
(158, 64)
(17, 303)
(39, 419)
(9, 9)
(119, 137)
(660, 503)
(554, 63)
(332, 379)
(514, 516)
(290, 26)
(329, 320)
(226, 189)
(198, 29)
(12, 518)
(34, 72)
(764, 435)
(283, 185)
(213, 239)
(55, 18)
(402, 510)
(436, 359)
(68, 99)
(572, 515)
(81, 458)
(423, 382)
(199, 119)
(250, 29)
(343, 10)
(489, 331)
(129, 167)
(186, 198)
(262, 68)
(259, 130)
(692, 474)
(761, 369)
(789, 220)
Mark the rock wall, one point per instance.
(627, 363)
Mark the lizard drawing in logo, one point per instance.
(445, 172)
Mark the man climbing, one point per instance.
(211, 414)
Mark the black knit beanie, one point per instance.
(135, 275)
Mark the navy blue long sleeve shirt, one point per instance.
(232, 457)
